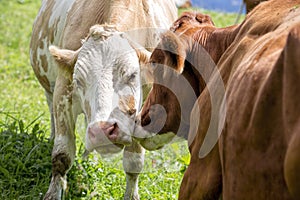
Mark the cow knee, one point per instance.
(292, 166)
(61, 163)
(133, 158)
(133, 162)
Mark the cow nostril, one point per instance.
(114, 127)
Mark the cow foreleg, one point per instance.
(133, 162)
(63, 152)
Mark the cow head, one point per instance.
(106, 86)
(177, 83)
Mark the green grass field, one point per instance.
(25, 152)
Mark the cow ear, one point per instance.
(174, 51)
(143, 55)
(146, 69)
(144, 58)
(67, 58)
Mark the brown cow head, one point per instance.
(177, 82)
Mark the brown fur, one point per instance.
(257, 156)
(254, 142)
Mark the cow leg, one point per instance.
(292, 164)
(63, 152)
(49, 97)
(133, 162)
(203, 177)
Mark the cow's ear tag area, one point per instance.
(174, 50)
(66, 58)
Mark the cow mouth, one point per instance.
(103, 133)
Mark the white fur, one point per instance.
(102, 74)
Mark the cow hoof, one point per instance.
(53, 196)
(134, 197)
(50, 197)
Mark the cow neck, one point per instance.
(219, 40)
(204, 54)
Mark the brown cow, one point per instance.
(177, 51)
(191, 29)
(258, 154)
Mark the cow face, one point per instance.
(106, 87)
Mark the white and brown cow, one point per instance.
(97, 73)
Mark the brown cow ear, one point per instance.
(175, 51)
(65, 57)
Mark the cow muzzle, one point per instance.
(105, 133)
(148, 139)
(110, 130)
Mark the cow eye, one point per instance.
(132, 77)
(153, 65)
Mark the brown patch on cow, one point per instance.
(40, 32)
(127, 104)
(44, 62)
(44, 81)
(60, 164)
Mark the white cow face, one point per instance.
(106, 87)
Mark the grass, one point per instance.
(25, 152)
(24, 160)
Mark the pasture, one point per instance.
(25, 151)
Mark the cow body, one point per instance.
(96, 73)
(257, 155)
